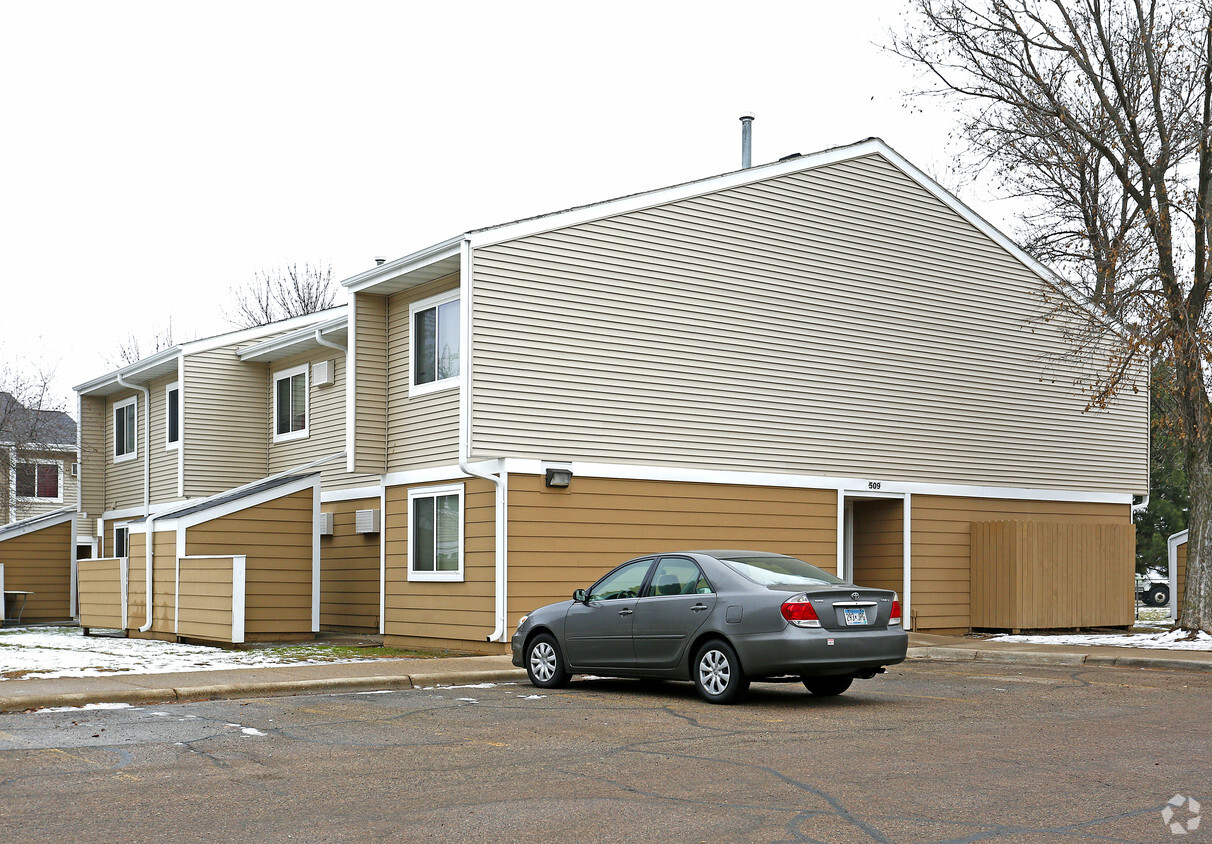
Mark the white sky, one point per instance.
(155, 155)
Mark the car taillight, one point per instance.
(799, 611)
(896, 613)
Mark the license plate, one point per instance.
(858, 616)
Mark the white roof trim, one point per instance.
(169, 522)
(36, 523)
(302, 336)
(403, 266)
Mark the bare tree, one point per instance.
(32, 423)
(282, 293)
(134, 349)
(1100, 113)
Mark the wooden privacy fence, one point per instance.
(102, 583)
(1052, 575)
(210, 600)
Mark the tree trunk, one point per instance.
(1197, 591)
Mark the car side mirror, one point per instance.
(580, 597)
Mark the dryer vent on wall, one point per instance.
(326, 524)
(323, 373)
(366, 521)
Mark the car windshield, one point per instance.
(777, 570)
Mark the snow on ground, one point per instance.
(1170, 640)
(45, 652)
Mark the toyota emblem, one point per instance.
(854, 596)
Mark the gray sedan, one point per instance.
(720, 619)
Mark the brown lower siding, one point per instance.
(41, 562)
(1180, 577)
(349, 571)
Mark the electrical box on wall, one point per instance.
(326, 524)
(324, 373)
(366, 521)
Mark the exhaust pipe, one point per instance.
(746, 141)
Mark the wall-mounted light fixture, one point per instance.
(558, 476)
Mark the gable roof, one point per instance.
(234, 499)
(25, 427)
(36, 523)
(444, 258)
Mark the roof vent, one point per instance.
(746, 141)
(380, 260)
(792, 157)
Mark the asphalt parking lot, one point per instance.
(930, 752)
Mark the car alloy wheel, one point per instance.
(545, 664)
(717, 673)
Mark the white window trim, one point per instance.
(301, 369)
(58, 499)
(133, 453)
(415, 389)
(114, 533)
(433, 492)
(168, 444)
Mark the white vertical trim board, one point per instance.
(383, 562)
(181, 426)
(239, 592)
(73, 609)
(180, 554)
(351, 383)
(907, 554)
(124, 577)
(315, 558)
(1, 593)
(840, 571)
(1172, 558)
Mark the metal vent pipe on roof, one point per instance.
(746, 141)
(380, 260)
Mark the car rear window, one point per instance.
(777, 570)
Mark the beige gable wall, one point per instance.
(421, 431)
(839, 321)
(93, 459)
(226, 415)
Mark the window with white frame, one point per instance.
(290, 404)
(172, 416)
(435, 533)
(39, 481)
(435, 343)
(121, 541)
(126, 436)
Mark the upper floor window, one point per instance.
(126, 438)
(39, 480)
(290, 404)
(435, 343)
(172, 416)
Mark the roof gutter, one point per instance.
(499, 481)
(148, 518)
(329, 343)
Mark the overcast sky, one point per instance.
(156, 154)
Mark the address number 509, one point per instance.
(873, 484)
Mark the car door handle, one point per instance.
(626, 612)
(698, 608)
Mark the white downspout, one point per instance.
(500, 482)
(329, 343)
(148, 518)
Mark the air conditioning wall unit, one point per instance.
(324, 373)
(366, 521)
(326, 524)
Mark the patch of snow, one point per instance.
(532, 697)
(469, 700)
(1169, 640)
(86, 706)
(379, 692)
(474, 686)
(252, 731)
(46, 652)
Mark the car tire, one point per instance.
(1158, 596)
(717, 673)
(545, 664)
(828, 686)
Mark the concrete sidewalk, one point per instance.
(17, 695)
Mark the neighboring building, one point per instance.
(829, 356)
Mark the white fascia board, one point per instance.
(304, 335)
(435, 474)
(37, 523)
(352, 494)
(207, 344)
(130, 372)
(624, 471)
(58, 448)
(403, 266)
(228, 507)
(137, 512)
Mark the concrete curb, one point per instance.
(230, 691)
(1054, 658)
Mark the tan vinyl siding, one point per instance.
(561, 540)
(276, 539)
(1048, 575)
(443, 611)
(349, 571)
(1180, 578)
(164, 585)
(839, 321)
(206, 598)
(40, 562)
(369, 342)
(325, 424)
(27, 508)
(421, 431)
(941, 547)
(93, 458)
(226, 422)
(124, 480)
(100, 583)
(163, 460)
(879, 544)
